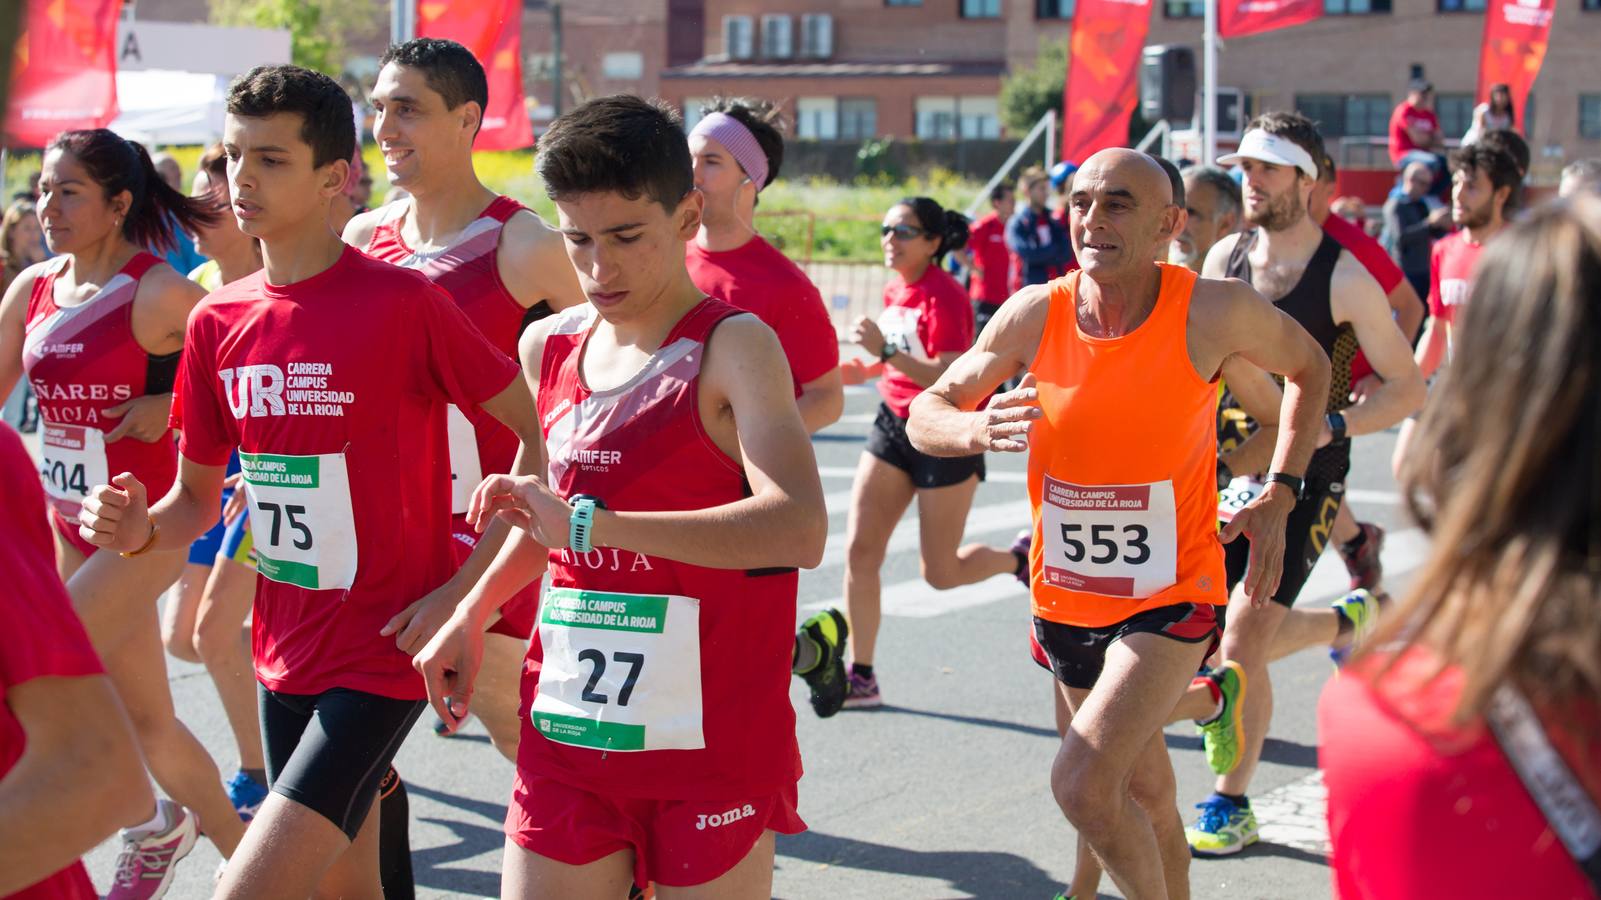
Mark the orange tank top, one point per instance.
(1122, 468)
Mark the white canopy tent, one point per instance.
(160, 107)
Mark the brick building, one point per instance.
(620, 46)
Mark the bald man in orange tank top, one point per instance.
(1118, 417)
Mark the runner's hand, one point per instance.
(526, 502)
(415, 625)
(1262, 521)
(116, 515)
(866, 334)
(237, 501)
(449, 665)
(143, 418)
(1009, 418)
(1364, 386)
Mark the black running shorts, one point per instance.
(329, 752)
(888, 442)
(1075, 655)
(1306, 533)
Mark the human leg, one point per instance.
(941, 519)
(495, 696)
(878, 499)
(180, 611)
(527, 875)
(224, 645)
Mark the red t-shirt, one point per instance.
(992, 258)
(1370, 253)
(340, 379)
(42, 637)
(1451, 262)
(1420, 808)
(757, 278)
(1404, 115)
(926, 318)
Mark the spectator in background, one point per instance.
(169, 170)
(1495, 115)
(991, 262)
(1040, 242)
(1351, 209)
(1488, 669)
(33, 186)
(1512, 144)
(1410, 226)
(1062, 185)
(1581, 176)
(1415, 129)
(1212, 200)
(183, 256)
(21, 245)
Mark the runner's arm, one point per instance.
(1408, 308)
(1358, 301)
(13, 327)
(783, 522)
(946, 419)
(1261, 398)
(1431, 347)
(822, 400)
(119, 516)
(534, 266)
(80, 757)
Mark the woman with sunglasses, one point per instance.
(926, 324)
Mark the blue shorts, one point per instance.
(236, 542)
(204, 550)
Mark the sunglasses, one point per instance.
(902, 232)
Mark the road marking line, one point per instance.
(992, 476)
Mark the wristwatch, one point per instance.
(582, 524)
(1290, 481)
(890, 349)
(1336, 423)
(1225, 475)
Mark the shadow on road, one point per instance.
(970, 873)
(1274, 750)
(472, 839)
(1018, 727)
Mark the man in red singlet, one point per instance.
(1126, 563)
(342, 446)
(503, 266)
(680, 494)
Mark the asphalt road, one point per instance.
(944, 791)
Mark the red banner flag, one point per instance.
(1238, 18)
(493, 31)
(1515, 37)
(64, 75)
(1103, 75)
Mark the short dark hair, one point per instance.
(450, 69)
(155, 210)
(619, 144)
(1495, 163)
(327, 123)
(1174, 179)
(1509, 142)
(1298, 130)
(999, 191)
(1221, 183)
(764, 120)
(948, 225)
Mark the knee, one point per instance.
(1156, 792)
(862, 554)
(1090, 796)
(215, 641)
(181, 645)
(941, 575)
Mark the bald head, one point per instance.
(1122, 212)
(1139, 172)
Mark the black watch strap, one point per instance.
(1336, 423)
(1290, 481)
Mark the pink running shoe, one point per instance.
(146, 863)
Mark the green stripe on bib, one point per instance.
(280, 471)
(589, 733)
(607, 611)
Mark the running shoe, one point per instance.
(1360, 608)
(1222, 828)
(146, 863)
(863, 692)
(1020, 548)
(827, 631)
(1221, 736)
(246, 794)
(1364, 566)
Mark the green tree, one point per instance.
(1027, 93)
(318, 29)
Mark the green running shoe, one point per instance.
(1221, 737)
(1222, 829)
(1361, 609)
(827, 631)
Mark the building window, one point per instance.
(1184, 9)
(622, 66)
(1455, 112)
(936, 118)
(981, 9)
(777, 37)
(1590, 116)
(1355, 7)
(817, 118)
(692, 111)
(1347, 115)
(738, 37)
(980, 118)
(1592, 5)
(903, 2)
(817, 36)
(858, 118)
(1059, 9)
(1453, 6)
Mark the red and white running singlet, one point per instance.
(658, 679)
(81, 361)
(479, 444)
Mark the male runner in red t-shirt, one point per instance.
(502, 265)
(329, 371)
(992, 261)
(70, 772)
(679, 494)
(737, 150)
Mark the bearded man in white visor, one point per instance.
(1308, 276)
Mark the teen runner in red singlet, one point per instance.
(1125, 563)
(343, 449)
(98, 330)
(503, 266)
(680, 494)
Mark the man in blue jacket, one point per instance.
(1040, 242)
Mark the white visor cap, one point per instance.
(1271, 148)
